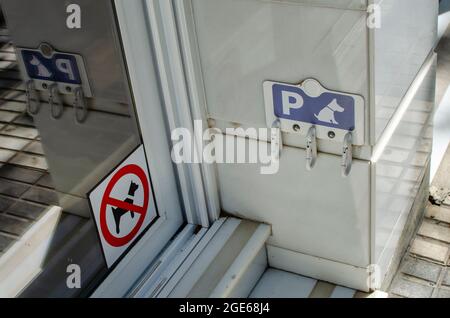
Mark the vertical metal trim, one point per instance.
(173, 83)
(196, 89)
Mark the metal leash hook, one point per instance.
(30, 90)
(80, 106)
(311, 148)
(276, 140)
(347, 155)
(57, 107)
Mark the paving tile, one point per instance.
(20, 131)
(7, 56)
(7, 116)
(7, 64)
(13, 106)
(7, 48)
(446, 280)
(421, 269)
(420, 159)
(20, 174)
(447, 201)
(322, 290)
(26, 209)
(430, 250)
(395, 296)
(46, 181)
(13, 225)
(35, 147)
(24, 119)
(413, 174)
(410, 289)
(11, 73)
(10, 83)
(5, 203)
(13, 143)
(438, 213)
(6, 155)
(6, 45)
(435, 231)
(28, 160)
(11, 188)
(41, 195)
(9, 94)
(5, 242)
(443, 293)
(416, 117)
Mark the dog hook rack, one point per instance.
(80, 106)
(30, 90)
(276, 140)
(57, 107)
(311, 148)
(347, 155)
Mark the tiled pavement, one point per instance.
(25, 184)
(425, 270)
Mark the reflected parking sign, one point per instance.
(60, 67)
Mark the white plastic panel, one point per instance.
(243, 43)
(401, 167)
(317, 213)
(406, 37)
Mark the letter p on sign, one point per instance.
(64, 66)
(291, 100)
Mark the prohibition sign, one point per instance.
(108, 200)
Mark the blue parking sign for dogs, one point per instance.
(310, 104)
(60, 67)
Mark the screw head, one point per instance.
(46, 49)
(331, 134)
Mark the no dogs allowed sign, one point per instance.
(123, 205)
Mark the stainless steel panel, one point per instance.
(321, 214)
(243, 43)
(79, 155)
(341, 4)
(97, 40)
(317, 213)
(406, 37)
(401, 168)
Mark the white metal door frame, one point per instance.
(156, 73)
(196, 91)
(167, 51)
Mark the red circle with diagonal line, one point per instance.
(108, 200)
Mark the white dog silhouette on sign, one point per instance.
(327, 115)
(42, 70)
